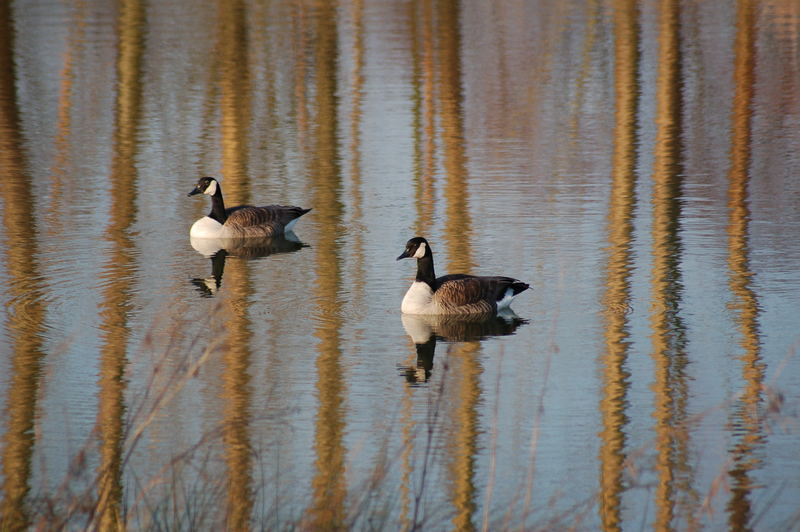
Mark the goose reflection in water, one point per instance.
(219, 249)
(424, 331)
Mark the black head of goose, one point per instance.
(242, 221)
(455, 293)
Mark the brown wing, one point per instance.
(464, 294)
(262, 221)
(461, 293)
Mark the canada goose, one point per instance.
(456, 293)
(242, 221)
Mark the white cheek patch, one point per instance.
(211, 189)
(420, 251)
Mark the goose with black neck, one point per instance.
(242, 221)
(455, 293)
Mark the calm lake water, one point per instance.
(636, 162)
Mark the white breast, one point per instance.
(418, 299)
(206, 227)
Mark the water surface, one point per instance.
(636, 162)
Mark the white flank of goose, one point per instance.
(456, 293)
(242, 221)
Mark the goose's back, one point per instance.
(270, 220)
(469, 294)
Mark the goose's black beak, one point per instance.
(403, 255)
(194, 191)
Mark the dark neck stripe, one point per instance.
(425, 271)
(218, 207)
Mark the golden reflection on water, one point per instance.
(119, 269)
(617, 297)
(300, 45)
(670, 386)
(66, 78)
(423, 111)
(237, 396)
(746, 421)
(26, 309)
(328, 509)
(357, 95)
(236, 387)
(458, 225)
(464, 394)
(464, 369)
(235, 100)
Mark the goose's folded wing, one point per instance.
(479, 292)
(463, 291)
(272, 215)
